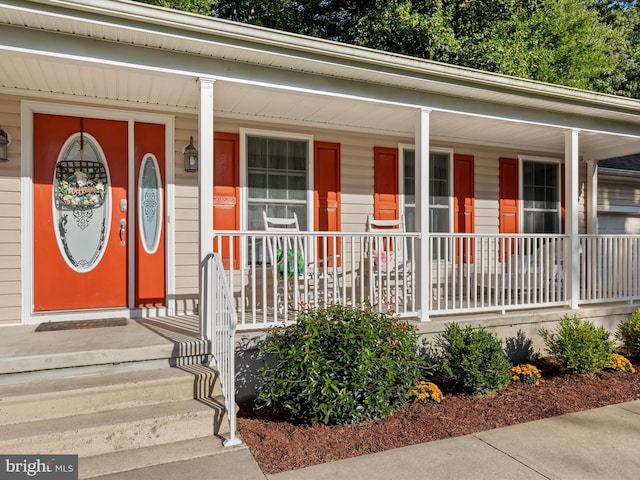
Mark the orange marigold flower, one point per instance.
(620, 363)
(426, 392)
(527, 374)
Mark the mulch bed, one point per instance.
(279, 445)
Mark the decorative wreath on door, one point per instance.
(80, 184)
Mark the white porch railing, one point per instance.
(273, 275)
(220, 321)
(472, 273)
(610, 268)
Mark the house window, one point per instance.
(540, 197)
(410, 190)
(277, 173)
(439, 191)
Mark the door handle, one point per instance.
(123, 228)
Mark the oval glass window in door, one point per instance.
(81, 202)
(150, 203)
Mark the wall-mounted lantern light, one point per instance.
(190, 157)
(5, 140)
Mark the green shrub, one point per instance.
(339, 364)
(628, 333)
(471, 359)
(578, 346)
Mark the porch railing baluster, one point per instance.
(468, 272)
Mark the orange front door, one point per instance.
(83, 213)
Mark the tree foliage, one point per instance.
(420, 29)
(591, 44)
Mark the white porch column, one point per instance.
(572, 255)
(205, 188)
(423, 257)
(592, 196)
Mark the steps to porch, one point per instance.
(121, 398)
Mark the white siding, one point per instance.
(618, 205)
(186, 219)
(619, 192)
(10, 216)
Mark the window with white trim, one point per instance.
(540, 197)
(439, 191)
(277, 178)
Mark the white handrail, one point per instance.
(221, 321)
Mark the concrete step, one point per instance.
(131, 460)
(116, 430)
(49, 399)
(14, 367)
(123, 398)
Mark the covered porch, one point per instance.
(448, 149)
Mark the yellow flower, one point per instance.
(426, 392)
(620, 363)
(526, 373)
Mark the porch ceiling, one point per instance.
(87, 80)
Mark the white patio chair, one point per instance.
(297, 270)
(388, 261)
(388, 252)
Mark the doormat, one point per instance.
(81, 324)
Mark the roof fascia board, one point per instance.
(114, 54)
(206, 29)
(619, 174)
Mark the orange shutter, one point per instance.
(385, 184)
(464, 201)
(327, 193)
(509, 182)
(226, 191)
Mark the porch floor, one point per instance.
(159, 339)
(24, 350)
